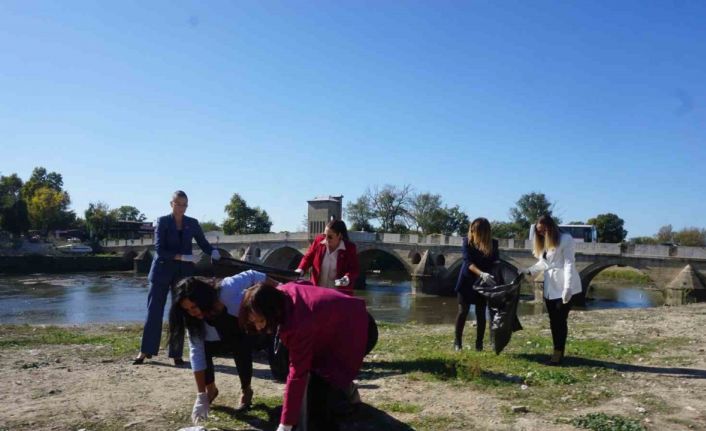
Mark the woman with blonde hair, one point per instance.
(480, 253)
(555, 251)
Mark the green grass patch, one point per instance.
(399, 407)
(121, 341)
(604, 422)
(623, 275)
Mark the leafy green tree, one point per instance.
(99, 219)
(359, 213)
(14, 216)
(210, 225)
(609, 227)
(42, 179)
(390, 205)
(241, 219)
(456, 222)
(506, 230)
(649, 240)
(427, 214)
(45, 208)
(129, 213)
(528, 209)
(691, 237)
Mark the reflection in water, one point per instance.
(122, 297)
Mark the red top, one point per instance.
(346, 263)
(326, 332)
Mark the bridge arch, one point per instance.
(284, 258)
(367, 257)
(591, 271)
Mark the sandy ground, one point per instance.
(59, 387)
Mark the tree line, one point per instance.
(41, 204)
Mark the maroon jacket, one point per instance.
(347, 263)
(326, 332)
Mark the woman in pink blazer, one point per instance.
(332, 257)
(327, 334)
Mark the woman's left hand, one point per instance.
(566, 296)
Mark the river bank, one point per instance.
(646, 367)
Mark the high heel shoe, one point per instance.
(245, 400)
(141, 359)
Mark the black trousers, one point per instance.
(464, 307)
(558, 315)
(241, 351)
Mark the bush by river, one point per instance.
(643, 368)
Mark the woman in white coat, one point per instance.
(555, 251)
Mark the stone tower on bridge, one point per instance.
(320, 211)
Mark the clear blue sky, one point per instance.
(598, 104)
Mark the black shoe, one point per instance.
(178, 362)
(141, 359)
(457, 347)
(479, 347)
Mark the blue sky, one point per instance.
(598, 104)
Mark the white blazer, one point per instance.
(559, 269)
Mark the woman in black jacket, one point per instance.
(480, 252)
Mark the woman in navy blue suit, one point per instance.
(173, 260)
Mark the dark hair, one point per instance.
(339, 227)
(265, 300)
(179, 194)
(201, 291)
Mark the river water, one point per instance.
(122, 297)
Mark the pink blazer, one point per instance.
(326, 332)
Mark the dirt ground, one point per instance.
(72, 387)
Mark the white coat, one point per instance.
(559, 269)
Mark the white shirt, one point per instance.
(559, 269)
(329, 264)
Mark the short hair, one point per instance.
(179, 194)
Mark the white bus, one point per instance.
(580, 232)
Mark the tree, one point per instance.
(129, 213)
(528, 209)
(210, 225)
(577, 222)
(427, 213)
(456, 222)
(650, 240)
(99, 219)
(665, 234)
(45, 207)
(609, 227)
(691, 237)
(389, 205)
(503, 229)
(359, 214)
(14, 216)
(245, 220)
(41, 179)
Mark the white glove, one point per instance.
(342, 282)
(300, 272)
(189, 258)
(200, 410)
(565, 296)
(215, 255)
(283, 427)
(487, 278)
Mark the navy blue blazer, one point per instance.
(168, 243)
(472, 255)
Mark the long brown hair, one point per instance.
(480, 236)
(549, 240)
(266, 301)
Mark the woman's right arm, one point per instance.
(308, 258)
(160, 241)
(197, 357)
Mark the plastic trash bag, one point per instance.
(502, 299)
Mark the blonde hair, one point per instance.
(549, 240)
(480, 237)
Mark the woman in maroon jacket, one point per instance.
(332, 257)
(327, 334)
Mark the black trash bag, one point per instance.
(503, 299)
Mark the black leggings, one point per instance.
(463, 308)
(241, 351)
(558, 314)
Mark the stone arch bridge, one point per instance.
(434, 261)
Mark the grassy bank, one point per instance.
(414, 379)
